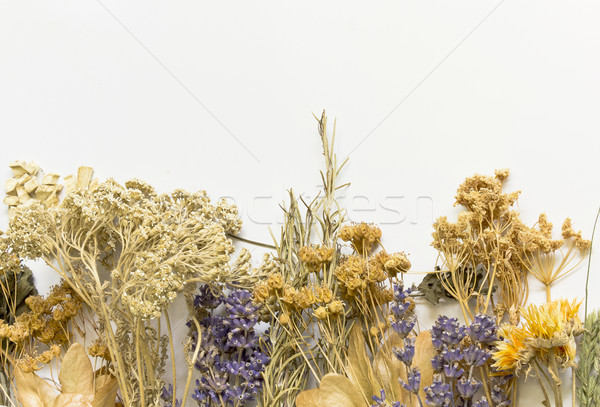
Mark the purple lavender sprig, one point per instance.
(460, 350)
(380, 401)
(401, 319)
(231, 358)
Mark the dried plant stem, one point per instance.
(172, 348)
(188, 380)
(587, 277)
(538, 374)
(557, 383)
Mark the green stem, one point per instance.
(587, 278)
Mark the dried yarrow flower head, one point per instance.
(549, 261)
(231, 353)
(488, 252)
(152, 246)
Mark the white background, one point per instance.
(219, 95)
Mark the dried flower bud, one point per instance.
(275, 282)
(336, 307)
(321, 313)
(261, 293)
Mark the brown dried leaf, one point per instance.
(388, 369)
(32, 391)
(359, 369)
(309, 398)
(76, 373)
(424, 352)
(107, 391)
(72, 400)
(338, 391)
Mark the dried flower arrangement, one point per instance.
(327, 319)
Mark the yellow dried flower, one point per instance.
(275, 282)
(315, 257)
(284, 319)
(362, 236)
(321, 313)
(324, 294)
(398, 263)
(261, 293)
(547, 329)
(335, 307)
(28, 364)
(100, 350)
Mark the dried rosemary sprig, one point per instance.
(588, 372)
(294, 352)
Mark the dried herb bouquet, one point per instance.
(327, 319)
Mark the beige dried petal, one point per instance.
(18, 167)
(11, 200)
(106, 391)
(338, 391)
(32, 391)
(23, 195)
(31, 185)
(70, 183)
(11, 186)
(32, 168)
(309, 398)
(50, 179)
(388, 369)
(44, 191)
(359, 369)
(84, 177)
(76, 373)
(424, 352)
(72, 400)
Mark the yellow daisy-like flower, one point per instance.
(510, 353)
(547, 329)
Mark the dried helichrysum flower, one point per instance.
(335, 307)
(275, 283)
(321, 312)
(261, 293)
(98, 349)
(397, 263)
(362, 236)
(324, 294)
(48, 318)
(315, 257)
